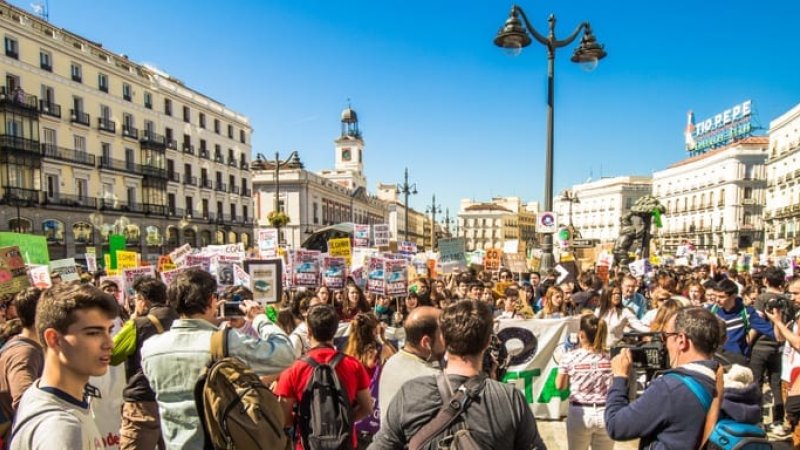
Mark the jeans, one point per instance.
(586, 426)
(767, 359)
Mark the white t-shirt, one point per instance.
(589, 373)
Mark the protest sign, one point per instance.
(375, 279)
(395, 273)
(511, 246)
(119, 282)
(224, 273)
(491, 261)
(452, 254)
(638, 268)
(91, 259)
(305, 268)
(381, 234)
(13, 277)
(107, 262)
(33, 248)
(360, 235)
(408, 248)
(515, 262)
(268, 242)
(240, 277)
(66, 268)
(116, 242)
(226, 249)
(266, 278)
(127, 260)
(39, 276)
(341, 247)
(178, 256)
(334, 271)
(165, 263)
(204, 261)
(132, 274)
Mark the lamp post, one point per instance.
(571, 197)
(406, 190)
(447, 221)
(291, 159)
(432, 210)
(514, 36)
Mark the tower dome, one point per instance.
(349, 115)
(350, 123)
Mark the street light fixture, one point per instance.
(513, 36)
(406, 190)
(433, 209)
(294, 160)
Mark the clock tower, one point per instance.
(350, 152)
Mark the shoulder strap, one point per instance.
(219, 344)
(156, 323)
(336, 360)
(745, 319)
(710, 405)
(310, 361)
(695, 387)
(714, 308)
(452, 408)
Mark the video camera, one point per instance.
(648, 352)
(786, 306)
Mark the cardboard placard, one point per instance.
(32, 247)
(66, 268)
(492, 258)
(341, 248)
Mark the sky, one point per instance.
(434, 94)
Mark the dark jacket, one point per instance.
(742, 404)
(138, 388)
(667, 416)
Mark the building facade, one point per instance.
(594, 209)
(487, 225)
(92, 143)
(316, 200)
(782, 210)
(715, 200)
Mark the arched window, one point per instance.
(190, 237)
(132, 234)
(232, 237)
(205, 238)
(83, 233)
(245, 237)
(20, 225)
(53, 230)
(152, 236)
(172, 236)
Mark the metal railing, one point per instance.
(106, 125)
(68, 154)
(79, 117)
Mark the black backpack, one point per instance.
(324, 415)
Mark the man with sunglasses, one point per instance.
(691, 336)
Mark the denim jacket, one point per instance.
(172, 362)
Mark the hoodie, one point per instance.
(741, 400)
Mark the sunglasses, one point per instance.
(665, 335)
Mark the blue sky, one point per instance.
(434, 94)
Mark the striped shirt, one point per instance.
(589, 373)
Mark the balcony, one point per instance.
(206, 183)
(129, 131)
(72, 201)
(218, 158)
(160, 210)
(152, 138)
(79, 117)
(189, 149)
(19, 196)
(175, 177)
(155, 172)
(18, 100)
(172, 143)
(233, 189)
(246, 192)
(748, 201)
(120, 165)
(190, 180)
(49, 109)
(24, 146)
(221, 187)
(68, 155)
(244, 165)
(76, 77)
(232, 162)
(104, 124)
(46, 66)
(203, 153)
(172, 211)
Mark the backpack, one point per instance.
(324, 415)
(727, 434)
(453, 406)
(236, 410)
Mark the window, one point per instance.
(244, 213)
(131, 196)
(105, 112)
(48, 96)
(82, 188)
(187, 115)
(79, 143)
(748, 193)
(148, 100)
(129, 158)
(45, 60)
(233, 211)
(167, 106)
(216, 126)
(316, 216)
(202, 120)
(230, 131)
(168, 135)
(242, 136)
(102, 82)
(204, 211)
(49, 139)
(127, 93)
(189, 206)
(219, 209)
(12, 48)
(52, 186)
(187, 170)
(105, 149)
(76, 72)
(77, 105)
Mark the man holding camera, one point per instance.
(790, 388)
(691, 336)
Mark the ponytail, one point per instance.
(595, 330)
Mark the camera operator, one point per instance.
(790, 389)
(691, 336)
(766, 354)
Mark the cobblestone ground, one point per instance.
(554, 433)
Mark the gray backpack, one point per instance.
(456, 435)
(324, 415)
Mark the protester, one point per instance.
(632, 299)
(696, 294)
(553, 306)
(421, 355)
(173, 361)
(618, 318)
(587, 373)
(74, 322)
(739, 320)
(322, 325)
(668, 414)
(354, 303)
(499, 418)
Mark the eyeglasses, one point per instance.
(666, 334)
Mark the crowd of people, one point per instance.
(714, 322)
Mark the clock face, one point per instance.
(346, 156)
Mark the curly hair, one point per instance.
(361, 343)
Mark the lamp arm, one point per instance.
(571, 37)
(536, 35)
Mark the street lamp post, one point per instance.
(572, 198)
(291, 159)
(514, 36)
(432, 210)
(406, 190)
(447, 221)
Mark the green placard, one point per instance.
(33, 248)
(115, 242)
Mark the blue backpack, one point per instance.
(727, 434)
